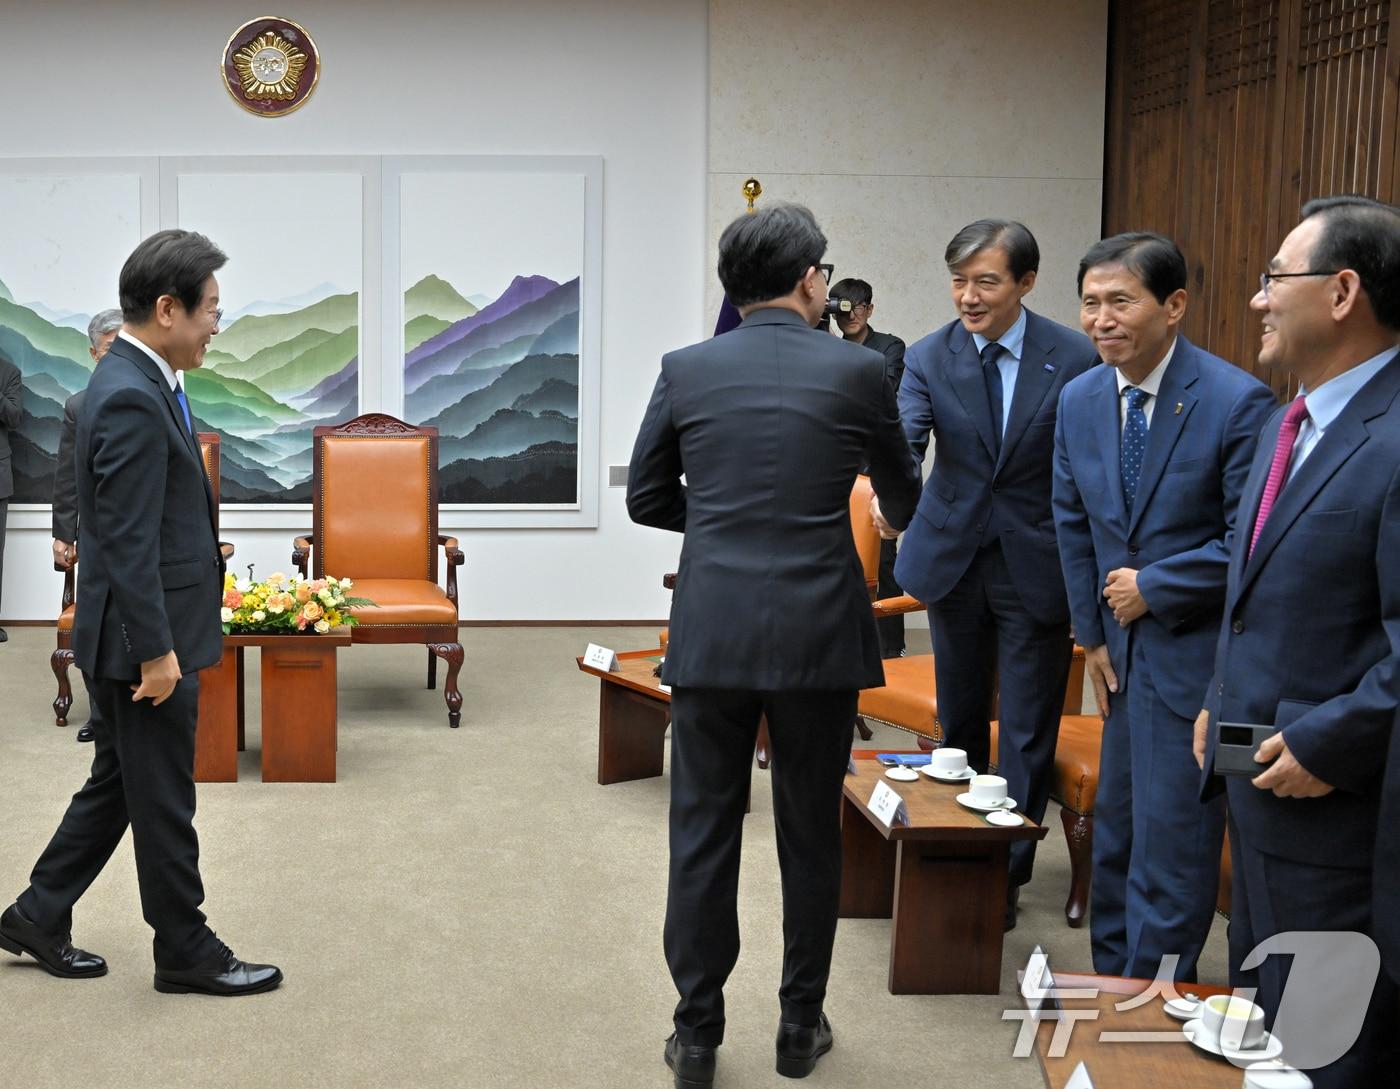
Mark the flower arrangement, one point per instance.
(290, 604)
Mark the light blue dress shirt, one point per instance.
(1009, 362)
(1328, 401)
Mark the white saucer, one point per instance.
(1183, 1009)
(1271, 1048)
(966, 800)
(962, 776)
(1004, 819)
(902, 775)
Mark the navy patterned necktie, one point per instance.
(991, 374)
(1134, 443)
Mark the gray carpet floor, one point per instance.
(463, 908)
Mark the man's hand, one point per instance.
(159, 677)
(1099, 670)
(64, 554)
(1287, 778)
(1121, 591)
(1198, 741)
(887, 531)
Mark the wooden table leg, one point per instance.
(949, 903)
(217, 733)
(242, 693)
(631, 735)
(867, 867)
(298, 712)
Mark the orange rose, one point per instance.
(303, 592)
(311, 611)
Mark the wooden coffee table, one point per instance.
(941, 881)
(633, 713)
(298, 709)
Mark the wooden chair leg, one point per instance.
(452, 654)
(1079, 836)
(863, 729)
(59, 661)
(432, 670)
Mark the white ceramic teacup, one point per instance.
(948, 761)
(988, 789)
(1235, 1023)
(1275, 1075)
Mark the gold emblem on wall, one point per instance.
(271, 66)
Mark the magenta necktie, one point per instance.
(1278, 468)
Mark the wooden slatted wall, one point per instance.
(1225, 116)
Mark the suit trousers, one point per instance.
(1156, 847)
(986, 643)
(4, 517)
(142, 775)
(713, 732)
(890, 628)
(1273, 895)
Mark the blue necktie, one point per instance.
(1134, 443)
(185, 406)
(991, 374)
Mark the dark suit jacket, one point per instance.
(892, 348)
(1310, 640)
(151, 574)
(65, 481)
(1205, 426)
(11, 411)
(769, 424)
(971, 494)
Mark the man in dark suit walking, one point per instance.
(980, 552)
(769, 425)
(11, 393)
(102, 330)
(855, 327)
(1151, 452)
(150, 585)
(1310, 640)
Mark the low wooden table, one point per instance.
(1111, 1063)
(633, 713)
(941, 881)
(299, 711)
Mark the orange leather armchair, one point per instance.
(375, 516)
(62, 657)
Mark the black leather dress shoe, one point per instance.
(800, 1046)
(54, 951)
(223, 974)
(693, 1064)
(85, 732)
(4, 636)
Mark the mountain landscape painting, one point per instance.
(63, 240)
(287, 356)
(491, 332)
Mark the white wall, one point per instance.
(624, 79)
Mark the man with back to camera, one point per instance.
(102, 330)
(1309, 646)
(854, 325)
(150, 584)
(770, 616)
(1151, 453)
(980, 552)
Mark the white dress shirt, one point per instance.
(1008, 362)
(1149, 385)
(165, 367)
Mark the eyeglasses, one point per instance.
(1267, 277)
(218, 316)
(826, 271)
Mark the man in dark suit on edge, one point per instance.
(769, 425)
(1310, 641)
(981, 549)
(150, 584)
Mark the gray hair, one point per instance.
(1022, 254)
(108, 321)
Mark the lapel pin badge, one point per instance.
(1050, 368)
(1178, 408)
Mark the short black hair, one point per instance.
(853, 291)
(1363, 235)
(764, 254)
(168, 263)
(1153, 258)
(1022, 253)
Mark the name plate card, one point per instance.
(1038, 986)
(600, 658)
(888, 806)
(1080, 1078)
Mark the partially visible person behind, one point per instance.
(102, 330)
(11, 393)
(768, 425)
(855, 327)
(1151, 453)
(1310, 641)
